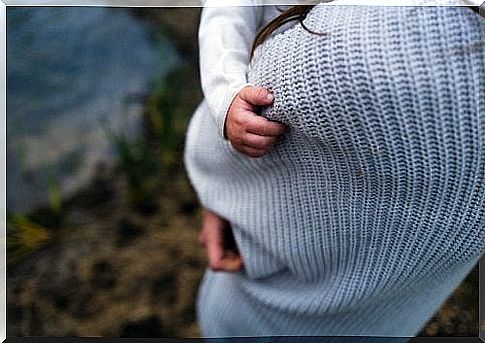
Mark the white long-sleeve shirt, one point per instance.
(226, 34)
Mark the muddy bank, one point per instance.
(113, 271)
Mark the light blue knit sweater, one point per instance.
(370, 210)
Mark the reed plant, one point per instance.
(56, 202)
(159, 114)
(24, 237)
(136, 163)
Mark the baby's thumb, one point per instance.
(256, 96)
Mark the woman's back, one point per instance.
(377, 190)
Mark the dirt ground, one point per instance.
(113, 272)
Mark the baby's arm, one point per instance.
(226, 34)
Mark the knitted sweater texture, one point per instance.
(369, 211)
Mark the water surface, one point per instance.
(68, 70)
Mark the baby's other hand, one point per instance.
(249, 133)
(217, 237)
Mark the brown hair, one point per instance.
(293, 13)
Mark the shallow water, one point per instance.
(70, 69)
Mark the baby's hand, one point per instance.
(218, 239)
(249, 133)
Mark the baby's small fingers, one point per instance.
(264, 127)
(256, 96)
(251, 152)
(259, 142)
(226, 265)
(215, 253)
(232, 264)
